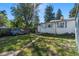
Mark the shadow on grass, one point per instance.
(13, 43)
(65, 36)
(39, 51)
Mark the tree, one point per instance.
(19, 22)
(3, 19)
(49, 15)
(73, 11)
(3, 12)
(24, 11)
(59, 14)
(35, 16)
(12, 24)
(36, 19)
(35, 22)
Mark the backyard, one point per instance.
(22, 26)
(44, 45)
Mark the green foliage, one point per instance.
(59, 14)
(3, 19)
(3, 31)
(23, 11)
(8, 23)
(24, 15)
(12, 24)
(49, 15)
(19, 22)
(36, 20)
(73, 11)
(3, 12)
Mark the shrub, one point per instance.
(4, 31)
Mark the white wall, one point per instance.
(56, 30)
(70, 28)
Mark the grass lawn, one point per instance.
(60, 45)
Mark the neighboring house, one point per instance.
(2, 26)
(58, 26)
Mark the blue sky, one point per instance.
(7, 7)
(65, 7)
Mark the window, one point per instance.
(60, 24)
(49, 25)
(65, 24)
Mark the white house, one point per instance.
(61, 26)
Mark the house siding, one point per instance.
(54, 29)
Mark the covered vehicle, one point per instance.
(18, 31)
(15, 31)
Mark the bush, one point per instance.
(4, 32)
(33, 30)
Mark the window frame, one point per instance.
(60, 24)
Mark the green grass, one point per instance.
(13, 43)
(56, 45)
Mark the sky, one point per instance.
(7, 8)
(65, 8)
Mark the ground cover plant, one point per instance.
(11, 43)
(46, 45)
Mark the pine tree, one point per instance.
(59, 14)
(73, 11)
(49, 15)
